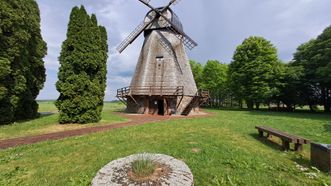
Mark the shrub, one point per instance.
(82, 75)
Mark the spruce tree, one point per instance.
(22, 71)
(82, 75)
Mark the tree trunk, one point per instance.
(289, 108)
(257, 105)
(250, 105)
(327, 107)
(311, 108)
(327, 104)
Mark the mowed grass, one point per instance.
(48, 121)
(222, 149)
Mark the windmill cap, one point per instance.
(160, 22)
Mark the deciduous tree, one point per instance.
(315, 57)
(215, 80)
(197, 70)
(252, 71)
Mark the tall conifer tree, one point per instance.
(22, 71)
(82, 75)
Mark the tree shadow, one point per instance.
(299, 114)
(226, 108)
(120, 111)
(45, 114)
(40, 115)
(327, 128)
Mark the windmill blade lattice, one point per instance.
(133, 35)
(146, 1)
(187, 41)
(176, 2)
(140, 28)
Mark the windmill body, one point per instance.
(163, 82)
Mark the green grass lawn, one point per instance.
(222, 149)
(47, 122)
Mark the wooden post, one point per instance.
(298, 147)
(146, 104)
(286, 145)
(165, 105)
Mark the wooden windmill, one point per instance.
(163, 83)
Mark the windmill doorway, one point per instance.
(160, 106)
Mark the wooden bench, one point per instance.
(285, 137)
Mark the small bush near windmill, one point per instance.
(143, 167)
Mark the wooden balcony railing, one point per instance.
(151, 91)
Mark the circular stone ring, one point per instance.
(115, 173)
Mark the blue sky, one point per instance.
(218, 26)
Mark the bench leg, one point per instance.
(298, 147)
(260, 133)
(286, 145)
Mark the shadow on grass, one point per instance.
(327, 128)
(301, 160)
(123, 111)
(224, 109)
(297, 157)
(41, 115)
(45, 114)
(267, 142)
(270, 111)
(301, 115)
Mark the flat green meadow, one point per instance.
(222, 149)
(48, 121)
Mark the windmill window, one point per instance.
(159, 58)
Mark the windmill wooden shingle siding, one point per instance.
(163, 82)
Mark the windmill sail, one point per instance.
(136, 32)
(187, 41)
(146, 1)
(140, 28)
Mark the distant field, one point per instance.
(48, 121)
(222, 149)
